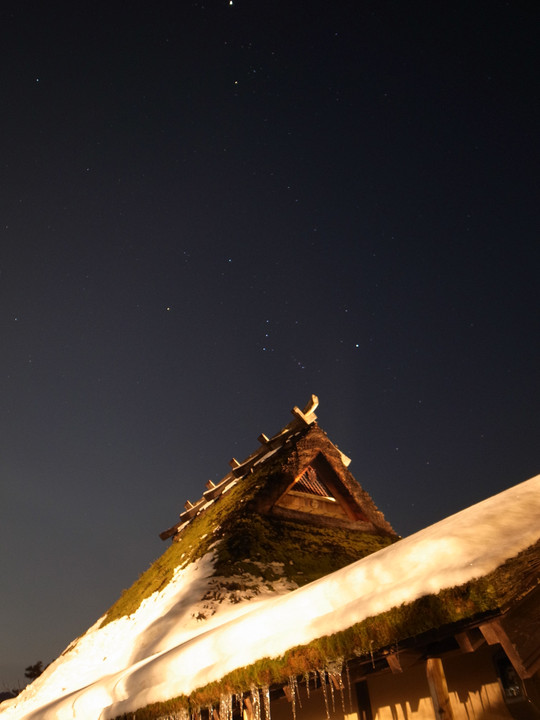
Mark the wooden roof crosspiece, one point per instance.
(307, 415)
(326, 484)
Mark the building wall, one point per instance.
(401, 696)
(473, 687)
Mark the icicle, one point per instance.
(226, 707)
(266, 700)
(255, 702)
(306, 678)
(322, 675)
(331, 686)
(342, 692)
(335, 670)
(348, 676)
(292, 689)
(298, 696)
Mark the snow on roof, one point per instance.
(158, 652)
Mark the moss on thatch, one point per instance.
(246, 542)
(168, 710)
(193, 542)
(306, 552)
(476, 599)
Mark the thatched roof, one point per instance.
(302, 476)
(260, 584)
(261, 527)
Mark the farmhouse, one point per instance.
(284, 594)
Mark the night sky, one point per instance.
(210, 210)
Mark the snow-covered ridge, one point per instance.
(159, 652)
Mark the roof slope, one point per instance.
(252, 573)
(458, 552)
(257, 539)
(283, 461)
(240, 544)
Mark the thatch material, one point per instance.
(418, 625)
(280, 462)
(251, 543)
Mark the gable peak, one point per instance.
(312, 484)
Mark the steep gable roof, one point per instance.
(229, 606)
(477, 581)
(259, 532)
(304, 477)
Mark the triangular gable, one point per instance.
(315, 486)
(312, 483)
(318, 492)
(310, 495)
